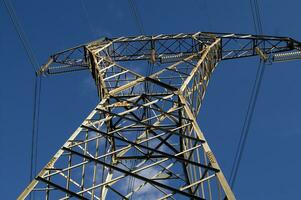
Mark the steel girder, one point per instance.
(142, 139)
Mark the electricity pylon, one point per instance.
(142, 140)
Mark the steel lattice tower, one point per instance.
(142, 140)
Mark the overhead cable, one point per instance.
(37, 85)
(253, 99)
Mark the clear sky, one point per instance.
(271, 163)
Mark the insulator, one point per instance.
(287, 56)
(174, 58)
(65, 68)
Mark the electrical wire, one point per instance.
(37, 86)
(136, 15)
(12, 14)
(37, 109)
(86, 14)
(137, 18)
(247, 123)
(253, 99)
(256, 16)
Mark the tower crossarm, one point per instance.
(235, 46)
(166, 48)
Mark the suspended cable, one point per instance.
(247, 123)
(138, 21)
(258, 17)
(86, 14)
(136, 15)
(37, 85)
(10, 9)
(37, 109)
(254, 17)
(253, 99)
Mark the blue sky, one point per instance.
(269, 168)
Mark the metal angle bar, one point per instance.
(203, 176)
(102, 48)
(151, 126)
(164, 97)
(130, 49)
(151, 149)
(165, 159)
(159, 136)
(208, 152)
(158, 108)
(123, 176)
(57, 171)
(127, 86)
(106, 68)
(122, 149)
(76, 184)
(60, 188)
(120, 177)
(82, 148)
(141, 48)
(174, 65)
(118, 74)
(158, 122)
(162, 84)
(197, 182)
(133, 174)
(162, 44)
(123, 197)
(198, 65)
(85, 141)
(243, 48)
(153, 94)
(121, 116)
(123, 68)
(120, 80)
(177, 71)
(34, 182)
(119, 122)
(154, 178)
(188, 186)
(147, 156)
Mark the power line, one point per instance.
(10, 9)
(136, 15)
(37, 85)
(256, 16)
(253, 99)
(247, 123)
(86, 14)
(37, 109)
(137, 18)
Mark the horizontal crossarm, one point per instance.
(165, 48)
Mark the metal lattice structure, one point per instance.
(142, 140)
